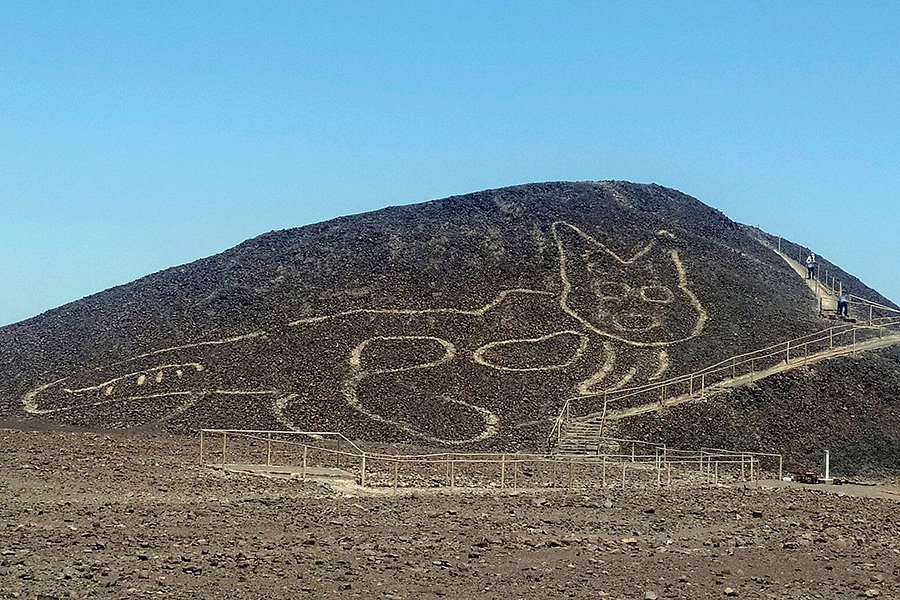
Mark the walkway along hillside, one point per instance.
(584, 423)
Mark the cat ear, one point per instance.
(573, 242)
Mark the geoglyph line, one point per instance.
(356, 358)
(478, 355)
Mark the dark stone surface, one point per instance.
(444, 268)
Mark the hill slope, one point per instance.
(462, 321)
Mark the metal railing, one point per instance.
(737, 370)
(654, 465)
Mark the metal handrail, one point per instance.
(729, 364)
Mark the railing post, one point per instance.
(780, 473)
(362, 470)
(632, 451)
(658, 469)
(603, 471)
(224, 444)
(603, 418)
(831, 338)
(787, 358)
(702, 384)
(305, 452)
(502, 471)
(691, 386)
(269, 450)
(733, 366)
(870, 314)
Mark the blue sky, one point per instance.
(138, 136)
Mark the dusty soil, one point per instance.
(106, 515)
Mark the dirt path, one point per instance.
(823, 294)
(712, 390)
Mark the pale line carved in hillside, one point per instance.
(349, 389)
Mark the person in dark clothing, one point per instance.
(810, 266)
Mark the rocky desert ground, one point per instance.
(96, 515)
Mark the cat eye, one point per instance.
(610, 290)
(659, 294)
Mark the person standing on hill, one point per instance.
(810, 265)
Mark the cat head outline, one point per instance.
(641, 300)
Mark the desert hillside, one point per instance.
(465, 321)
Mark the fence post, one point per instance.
(224, 444)
(362, 470)
(788, 356)
(502, 471)
(602, 419)
(269, 450)
(831, 338)
(733, 366)
(702, 384)
(305, 452)
(870, 314)
(452, 474)
(780, 473)
(632, 451)
(691, 386)
(658, 469)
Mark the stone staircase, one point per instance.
(583, 438)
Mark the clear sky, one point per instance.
(135, 136)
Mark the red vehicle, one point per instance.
(807, 477)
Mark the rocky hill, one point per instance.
(464, 321)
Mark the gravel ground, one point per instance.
(99, 515)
